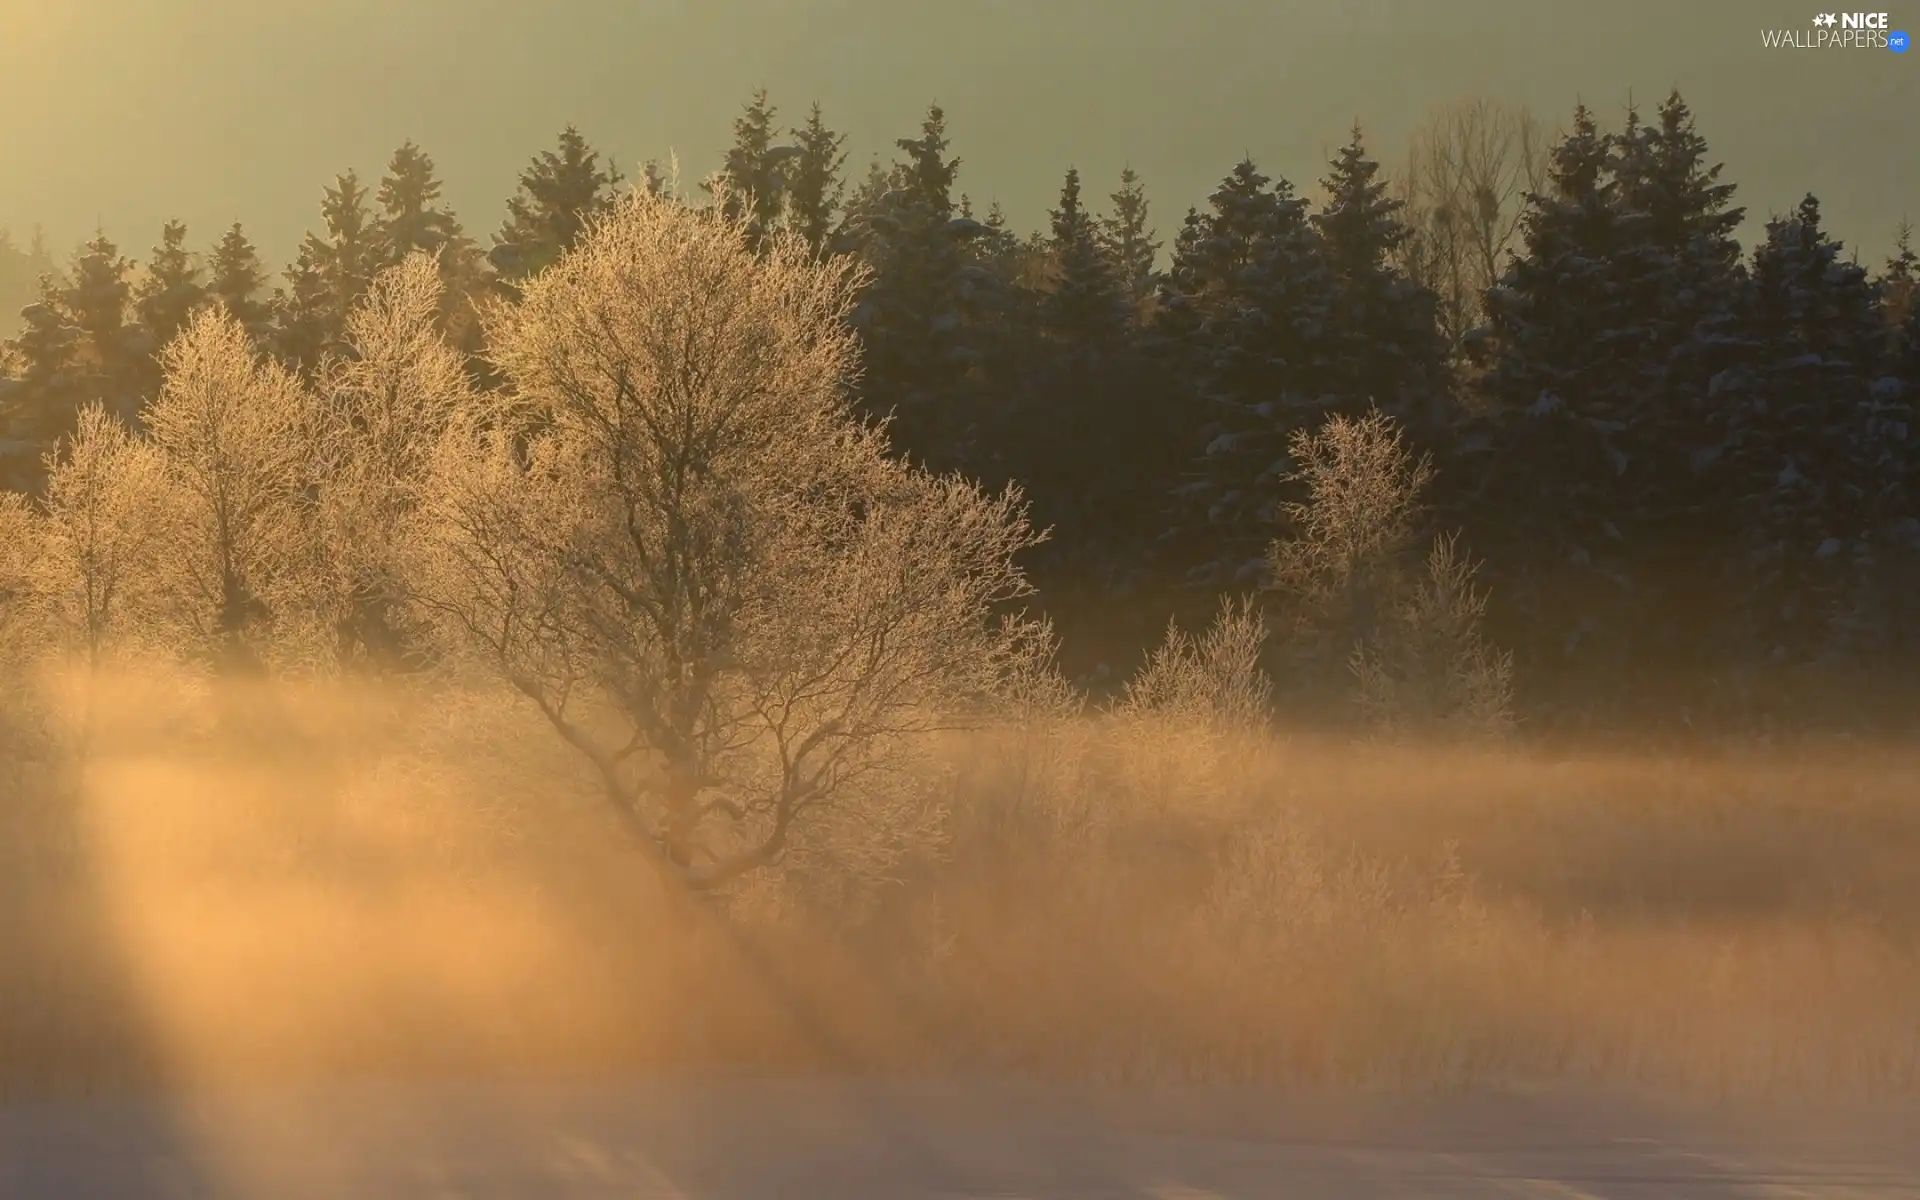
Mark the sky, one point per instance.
(125, 113)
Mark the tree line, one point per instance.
(1672, 454)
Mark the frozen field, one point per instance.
(722, 1140)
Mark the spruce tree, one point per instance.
(1550, 503)
(98, 301)
(560, 193)
(329, 276)
(235, 277)
(920, 319)
(38, 403)
(1086, 308)
(814, 184)
(1819, 451)
(412, 218)
(20, 270)
(171, 289)
(1130, 242)
(1243, 317)
(1394, 354)
(753, 172)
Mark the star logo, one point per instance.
(1826, 19)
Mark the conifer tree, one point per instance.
(814, 185)
(920, 319)
(1394, 353)
(1243, 315)
(37, 405)
(1086, 308)
(1819, 459)
(1130, 242)
(560, 193)
(329, 276)
(171, 290)
(98, 301)
(1549, 505)
(236, 278)
(753, 173)
(412, 218)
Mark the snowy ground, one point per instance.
(736, 1139)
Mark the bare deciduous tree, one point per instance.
(381, 411)
(96, 570)
(94, 580)
(234, 433)
(22, 553)
(671, 534)
(1406, 634)
(1470, 167)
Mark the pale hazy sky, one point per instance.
(129, 112)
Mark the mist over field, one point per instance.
(1420, 608)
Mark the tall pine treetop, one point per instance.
(928, 174)
(560, 193)
(1359, 222)
(814, 183)
(412, 217)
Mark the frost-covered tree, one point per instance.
(234, 435)
(97, 568)
(381, 410)
(1359, 611)
(675, 540)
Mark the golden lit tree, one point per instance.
(671, 534)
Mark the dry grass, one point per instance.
(308, 883)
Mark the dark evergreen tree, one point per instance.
(1244, 313)
(755, 173)
(1394, 354)
(1819, 449)
(413, 220)
(560, 194)
(236, 278)
(20, 270)
(1130, 242)
(329, 276)
(98, 301)
(1900, 281)
(75, 347)
(1085, 308)
(814, 183)
(1550, 501)
(412, 217)
(44, 389)
(921, 320)
(172, 288)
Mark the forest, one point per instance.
(1451, 618)
(1687, 467)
